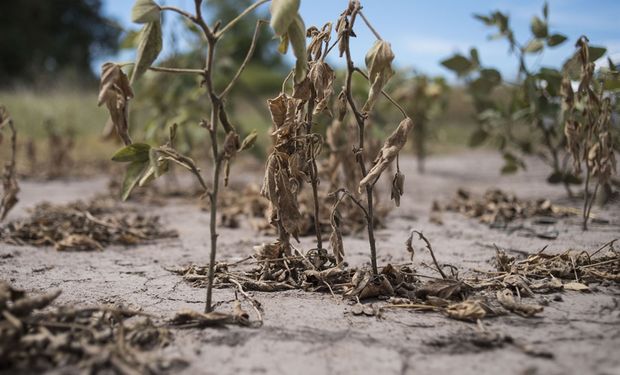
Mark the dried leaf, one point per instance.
(115, 91)
(507, 300)
(398, 184)
(446, 289)
(392, 146)
(78, 242)
(322, 77)
(335, 239)
(470, 310)
(379, 64)
(579, 287)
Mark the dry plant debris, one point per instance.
(504, 291)
(35, 337)
(498, 208)
(81, 225)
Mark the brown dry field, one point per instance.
(313, 333)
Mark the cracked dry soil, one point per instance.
(312, 333)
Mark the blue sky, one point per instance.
(422, 32)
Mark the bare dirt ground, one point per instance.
(313, 333)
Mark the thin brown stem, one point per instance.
(247, 59)
(385, 94)
(240, 16)
(360, 119)
(162, 69)
(314, 171)
(369, 25)
(430, 249)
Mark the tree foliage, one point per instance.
(42, 38)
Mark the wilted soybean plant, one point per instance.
(293, 158)
(587, 126)
(146, 162)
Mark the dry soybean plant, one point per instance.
(587, 126)
(9, 175)
(293, 159)
(146, 162)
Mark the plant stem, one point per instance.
(314, 172)
(247, 59)
(360, 119)
(369, 25)
(176, 70)
(586, 196)
(240, 16)
(385, 94)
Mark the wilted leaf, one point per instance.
(392, 146)
(335, 239)
(145, 11)
(133, 174)
(148, 49)
(248, 141)
(283, 12)
(507, 300)
(322, 77)
(398, 184)
(297, 37)
(534, 46)
(470, 310)
(78, 242)
(379, 64)
(115, 91)
(579, 287)
(133, 152)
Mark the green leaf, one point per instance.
(478, 137)
(133, 174)
(546, 10)
(596, 52)
(283, 14)
(486, 20)
(534, 46)
(133, 152)
(248, 141)
(458, 64)
(555, 40)
(572, 66)
(145, 11)
(539, 27)
(148, 49)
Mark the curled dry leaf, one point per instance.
(115, 91)
(78, 242)
(392, 146)
(379, 63)
(507, 300)
(398, 185)
(335, 239)
(470, 310)
(322, 78)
